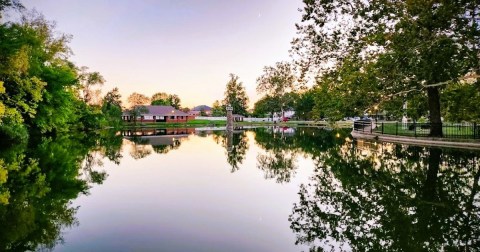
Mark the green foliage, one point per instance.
(161, 102)
(349, 91)
(304, 104)
(90, 118)
(59, 106)
(112, 108)
(11, 133)
(87, 81)
(39, 88)
(218, 109)
(165, 99)
(159, 96)
(277, 82)
(266, 106)
(460, 102)
(236, 96)
(2, 106)
(407, 47)
(174, 101)
(113, 98)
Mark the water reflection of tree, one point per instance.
(164, 149)
(235, 144)
(139, 147)
(390, 198)
(279, 160)
(111, 145)
(278, 165)
(37, 185)
(282, 150)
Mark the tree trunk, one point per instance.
(435, 116)
(432, 173)
(427, 210)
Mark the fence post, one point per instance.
(382, 128)
(396, 128)
(371, 127)
(475, 130)
(415, 128)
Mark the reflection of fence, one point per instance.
(415, 129)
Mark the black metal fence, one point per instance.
(415, 129)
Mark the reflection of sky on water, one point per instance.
(187, 200)
(267, 189)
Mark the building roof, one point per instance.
(158, 110)
(200, 107)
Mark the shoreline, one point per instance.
(420, 141)
(340, 124)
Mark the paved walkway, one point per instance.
(422, 141)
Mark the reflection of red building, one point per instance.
(159, 114)
(159, 132)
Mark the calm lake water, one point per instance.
(263, 189)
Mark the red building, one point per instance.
(159, 114)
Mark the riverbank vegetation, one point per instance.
(41, 90)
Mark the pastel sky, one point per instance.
(184, 47)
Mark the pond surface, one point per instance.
(263, 189)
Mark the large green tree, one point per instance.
(276, 82)
(236, 96)
(415, 46)
(39, 82)
(112, 107)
